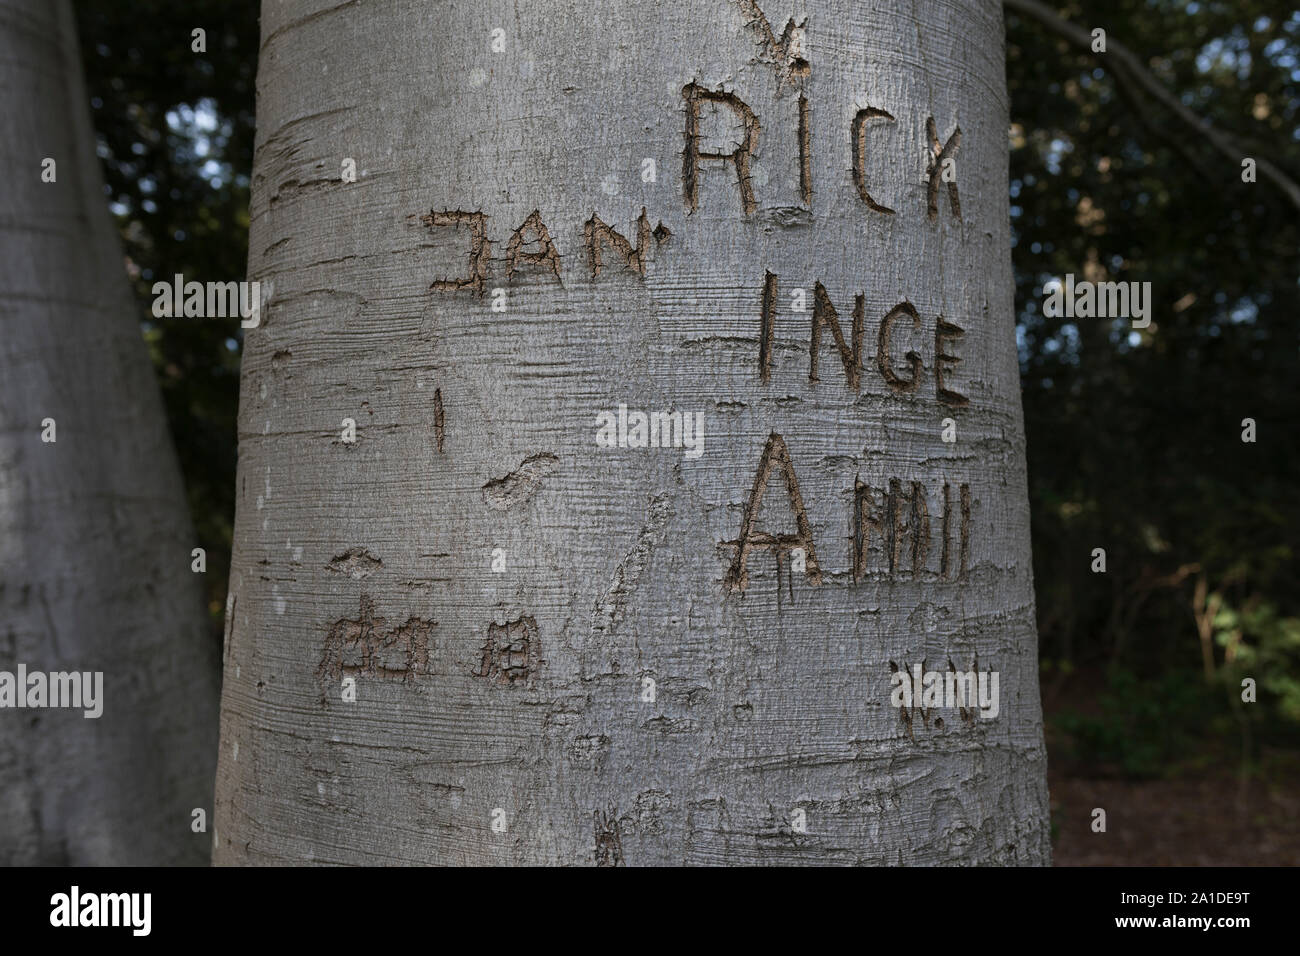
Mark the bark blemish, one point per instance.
(788, 217)
(767, 324)
(825, 317)
(775, 455)
(897, 384)
(589, 749)
(965, 531)
(739, 157)
(438, 419)
(858, 136)
(945, 332)
(609, 609)
(547, 256)
(805, 152)
(948, 567)
(939, 153)
(650, 808)
(967, 713)
(866, 519)
(596, 233)
(480, 248)
(904, 712)
(907, 714)
(230, 630)
(609, 842)
(522, 483)
(512, 653)
(785, 52)
(911, 524)
(359, 647)
(355, 562)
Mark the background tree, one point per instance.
(94, 539)
(175, 137)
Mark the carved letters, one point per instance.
(892, 523)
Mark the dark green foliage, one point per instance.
(1142, 728)
(1136, 448)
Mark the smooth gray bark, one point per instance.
(520, 696)
(95, 534)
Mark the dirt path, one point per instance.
(1188, 822)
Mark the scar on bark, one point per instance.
(522, 483)
(805, 153)
(905, 712)
(546, 256)
(864, 523)
(825, 316)
(609, 842)
(230, 633)
(940, 152)
(975, 666)
(947, 332)
(901, 520)
(911, 523)
(512, 653)
(896, 384)
(858, 146)
(357, 563)
(946, 564)
(967, 713)
(438, 419)
(366, 647)
(596, 233)
(739, 157)
(775, 455)
(767, 321)
(480, 248)
(784, 52)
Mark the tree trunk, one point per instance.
(491, 629)
(94, 530)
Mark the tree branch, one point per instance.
(1135, 71)
(1167, 136)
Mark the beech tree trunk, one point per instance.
(95, 540)
(472, 631)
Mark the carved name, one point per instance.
(892, 524)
